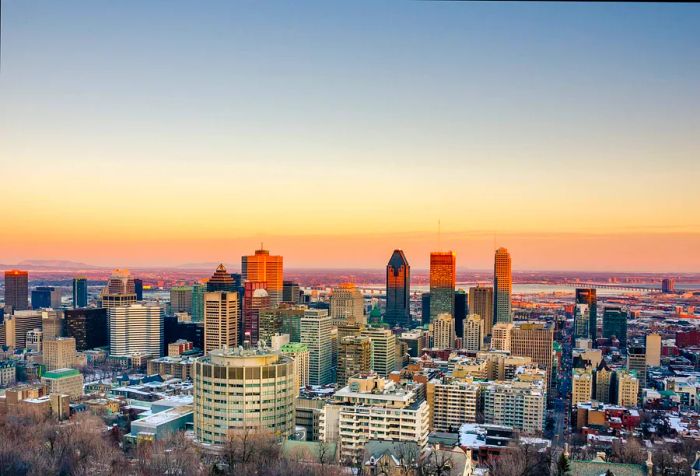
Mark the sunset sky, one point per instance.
(164, 132)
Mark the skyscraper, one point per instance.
(425, 308)
(46, 297)
(398, 291)
(443, 330)
(181, 299)
(120, 290)
(80, 292)
(291, 292)
(221, 280)
(534, 340)
(354, 357)
(220, 320)
(383, 345)
(347, 305)
(265, 268)
(17, 290)
(481, 303)
(502, 286)
(137, 328)
(88, 326)
(668, 285)
(138, 289)
(316, 334)
(198, 291)
(615, 324)
(443, 276)
(255, 299)
(653, 350)
(460, 312)
(587, 296)
(473, 339)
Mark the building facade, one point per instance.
(136, 329)
(220, 320)
(443, 276)
(398, 291)
(316, 334)
(481, 303)
(265, 268)
(502, 286)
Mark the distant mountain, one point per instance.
(204, 265)
(54, 263)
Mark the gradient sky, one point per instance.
(167, 132)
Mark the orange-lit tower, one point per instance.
(17, 289)
(502, 286)
(266, 268)
(443, 276)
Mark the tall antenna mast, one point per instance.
(439, 236)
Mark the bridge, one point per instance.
(618, 287)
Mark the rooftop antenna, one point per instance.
(439, 236)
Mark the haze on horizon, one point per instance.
(161, 133)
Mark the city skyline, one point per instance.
(578, 153)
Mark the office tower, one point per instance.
(221, 280)
(267, 269)
(398, 291)
(347, 305)
(501, 336)
(460, 312)
(52, 323)
(443, 330)
(603, 383)
(198, 291)
(383, 347)
(353, 329)
(181, 299)
(534, 340)
(300, 354)
(291, 321)
(520, 405)
(270, 322)
(627, 388)
(354, 357)
(80, 292)
(452, 403)
(17, 290)
(220, 320)
(581, 386)
(88, 327)
(291, 292)
(59, 353)
(138, 289)
(389, 412)
(34, 340)
(120, 290)
(44, 297)
(255, 299)
(668, 285)
(237, 390)
(637, 362)
(136, 329)
(173, 330)
(653, 350)
(425, 308)
(316, 334)
(17, 326)
(502, 286)
(473, 339)
(64, 382)
(615, 324)
(587, 303)
(481, 303)
(443, 275)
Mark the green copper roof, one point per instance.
(294, 347)
(375, 312)
(61, 373)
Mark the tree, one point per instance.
(563, 466)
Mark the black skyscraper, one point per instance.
(138, 288)
(88, 327)
(398, 291)
(460, 312)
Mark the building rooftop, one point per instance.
(61, 373)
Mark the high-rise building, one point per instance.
(443, 276)
(534, 340)
(615, 324)
(300, 354)
(398, 291)
(221, 280)
(255, 300)
(291, 292)
(481, 303)
(587, 304)
(136, 329)
(181, 299)
(653, 350)
(138, 289)
(347, 305)
(473, 339)
(316, 334)
(443, 330)
(668, 285)
(460, 312)
(603, 383)
(80, 292)
(354, 357)
(238, 390)
(34, 340)
(501, 336)
(383, 349)
(17, 326)
(45, 297)
(452, 403)
(291, 321)
(59, 353)
(425, 308)
(502, 286)
(120, 290)
(627, 388)
(581, 386)
(520, 405)
(637, 362)
(88, 327)
(198, 291)
(220, 320)
(17, 290)
(52, 323)
(265, 268)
